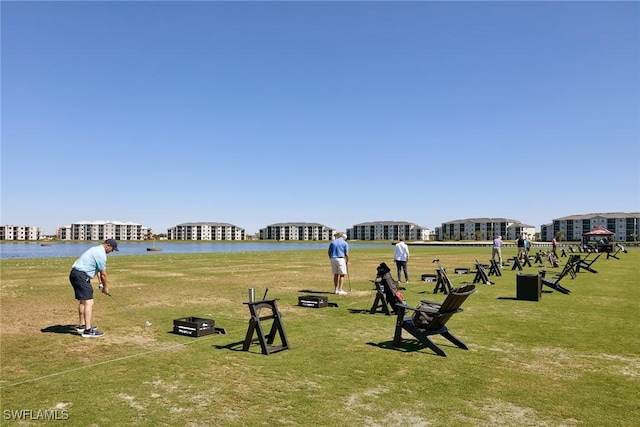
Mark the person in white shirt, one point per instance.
(401, 257)
(497, 249)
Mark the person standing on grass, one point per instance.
(92, 263)
(339, 255)
(522, 250)
(497, 249)
(401, 257)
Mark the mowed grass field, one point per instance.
(566, 360)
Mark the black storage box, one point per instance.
(529, 287)
(193, 326)
(313, 301)
(429, 277)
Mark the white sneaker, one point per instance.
(342, 292)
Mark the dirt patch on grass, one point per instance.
(365, 405)
(501, 413)
(552, 362)
(621, 365)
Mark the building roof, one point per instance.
(519, 224)
(387, 223)
(298, 224)
(483, 220)
(211, 224)
(608, 215)
(103, 222)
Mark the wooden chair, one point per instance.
(585, 263)
(619, 248)
(430, 318)
(568, 270)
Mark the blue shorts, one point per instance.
(81, 283)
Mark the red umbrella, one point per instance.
(598, 231)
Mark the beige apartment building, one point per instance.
(624, 225)
(388, 230)
(484, 229)
(205, 231)
(101, 230)
(296, 231)
(19, 232)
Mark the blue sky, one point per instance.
(254, 113)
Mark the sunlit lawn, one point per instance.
(564, 360)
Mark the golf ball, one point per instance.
(147, 323)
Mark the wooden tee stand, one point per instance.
(443, 283)
(255, 326)
(481, 275)
(495, 268)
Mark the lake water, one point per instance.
(58, 249)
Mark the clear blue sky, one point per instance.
(254, 113)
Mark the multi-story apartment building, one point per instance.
(19, 232)
(546, 232)
(101, 230)
(483, 229)
(623, 225)
(296, 231)
(206, 231)
(388, 230)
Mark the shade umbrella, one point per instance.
(598, 231)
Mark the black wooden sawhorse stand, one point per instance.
(443, 283)
(481, 275)
(380, 304)
(495, 268)
(516, 263)
(266, 341)
(539, 258)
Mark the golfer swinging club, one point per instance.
(91, 263)
(339, 254)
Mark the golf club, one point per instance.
(349, 277)
(146, 323)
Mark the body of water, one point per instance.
(58, 249)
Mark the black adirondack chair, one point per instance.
(568, 270)
(430, 318)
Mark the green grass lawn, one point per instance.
(563, 361)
